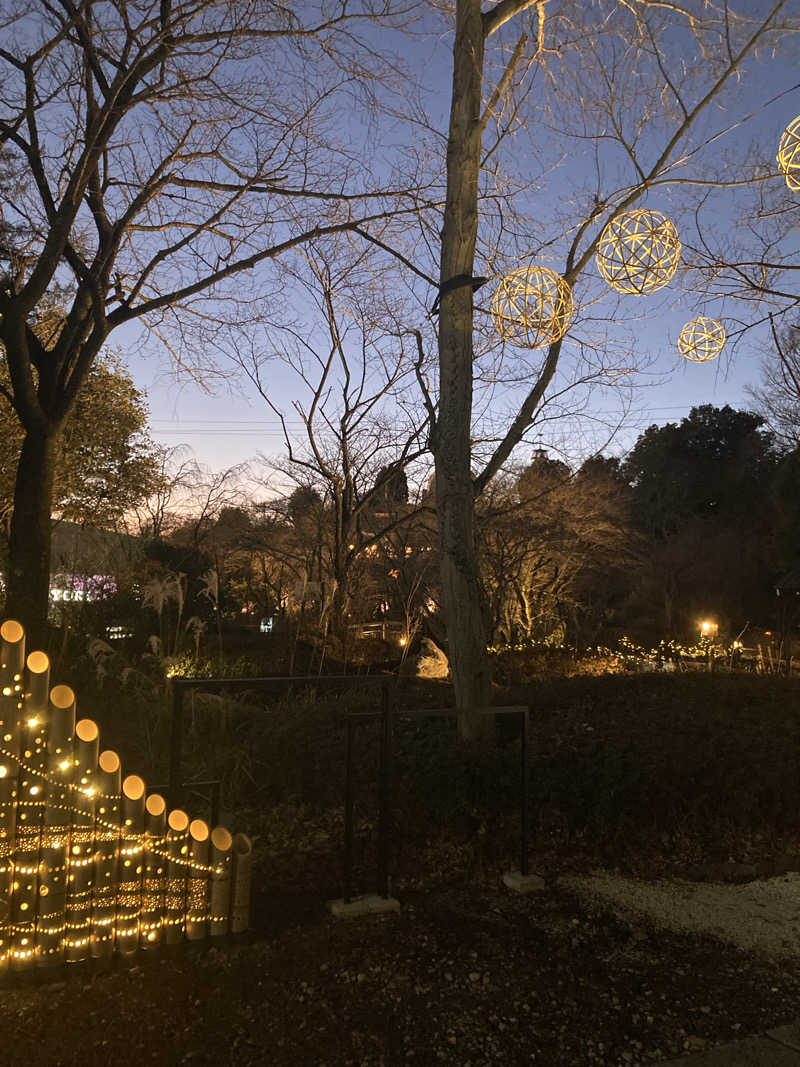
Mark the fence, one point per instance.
(90, 865)
(387, 715)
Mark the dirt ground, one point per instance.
(465, 973)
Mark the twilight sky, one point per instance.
(233, 424)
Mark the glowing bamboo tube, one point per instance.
(177, 860)
(106, 835)
(31, 795)
(151, 915)
(81, 856)
(241, 876)
(130, 883)
(12, 646)
(197, 893)
(50, 927)
(12, 658)
(220, 882)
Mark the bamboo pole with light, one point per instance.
(81, 856)
(151, 915)
(175, 894)
(12, 659)
(241, 877)
(50, 927)
(197, 894)
(107, 837)
(220, 855)
(32, 723)
(129, 891)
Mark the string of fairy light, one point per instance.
(638, 252)
(88, 866)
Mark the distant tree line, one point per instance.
(701, 518)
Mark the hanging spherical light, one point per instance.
(789, 154)
(532, 307)
(639, 251)
(702, 339)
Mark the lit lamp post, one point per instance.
(708, 636)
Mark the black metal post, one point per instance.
(384, 814)
(524, 782)
(348, 811)
(175, 787)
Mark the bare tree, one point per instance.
(547, 537)
(357, 435)
(160, 148)
(177, 471)
(778, 395)
(628, 86)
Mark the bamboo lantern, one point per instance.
(31, 795)
(197, 892)
(12, 658)
(129, 890)
(177, 863)
(702, 339)
(50, 928)
(240, 894)
(220, 882)
(81, 855)
(86, 866)
(151, 914)
(639, 251)
(532, 307)
(107, 837)
(789, 154)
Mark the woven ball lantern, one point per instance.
(702, 339)
(639, 251)
(789, 154)
(532, 307)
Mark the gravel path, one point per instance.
(761, 916)
(467, 975)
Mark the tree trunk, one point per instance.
(28, 579)
(462, 596)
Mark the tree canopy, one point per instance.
(106, 463)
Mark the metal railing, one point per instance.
(176, 785)
(387, 715)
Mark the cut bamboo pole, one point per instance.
(151, 919)
(197, 894)
(32, 724)
(12, 659)
(177, 863)
(241, 878)
(129, 893)
(220, 882)
(81, 856)
(107, 837)
(50, 926)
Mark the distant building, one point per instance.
(84, 562)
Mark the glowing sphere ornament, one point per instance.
(532, 307)
(789, 154)
(702, 339)
(639, 251)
